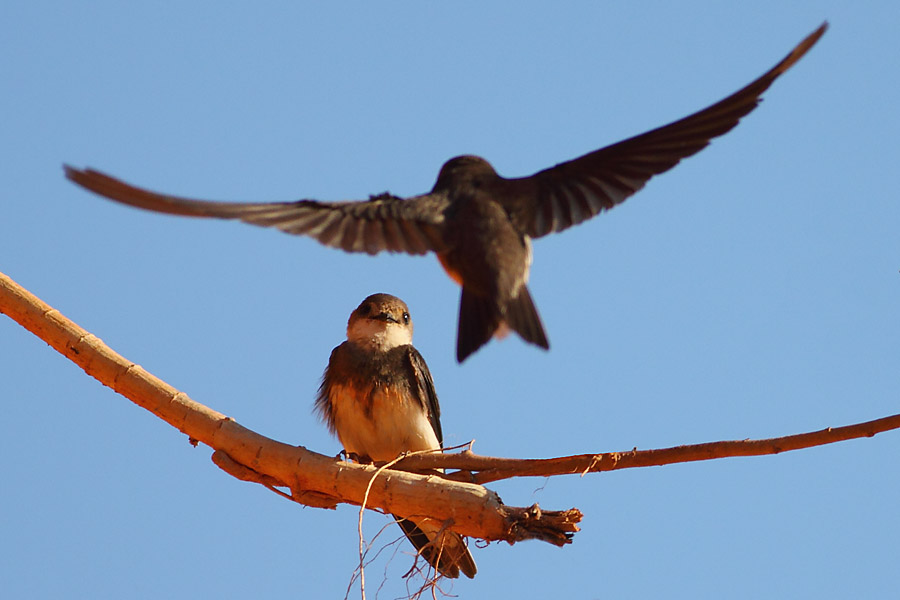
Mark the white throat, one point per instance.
(378, 335)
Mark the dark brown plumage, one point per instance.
(478, 223)
(378, 397)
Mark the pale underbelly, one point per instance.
(392, 426)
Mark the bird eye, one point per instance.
(406, 318)
(365, 309)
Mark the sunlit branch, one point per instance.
(313, 479)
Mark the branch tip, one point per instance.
(556, 527)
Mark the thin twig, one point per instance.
(484, 469)
(362, 510)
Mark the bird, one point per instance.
(378, 397)
(479, 223)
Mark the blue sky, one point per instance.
(751, 292)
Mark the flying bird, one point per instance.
(478, 223)
(378, 396)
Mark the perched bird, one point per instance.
(478, 223)
(377, 395)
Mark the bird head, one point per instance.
(381, 322)
(464, 173)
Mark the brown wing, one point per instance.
(426, 392)
(573, 191)
(383, 222)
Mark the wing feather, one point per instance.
(574, 191)
(382, 223)
(426, 392)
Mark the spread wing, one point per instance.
(383, 222)
(426, 393)
(571, 192)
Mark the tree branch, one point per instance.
(321, 481)
(313, 479)
(484, 469)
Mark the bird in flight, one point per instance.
(478, 223)
(377, 395)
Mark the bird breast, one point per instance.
(382, 422)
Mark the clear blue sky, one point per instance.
(751, 292)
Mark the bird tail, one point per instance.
(478, 320)
(444, 550)
(522, 317)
